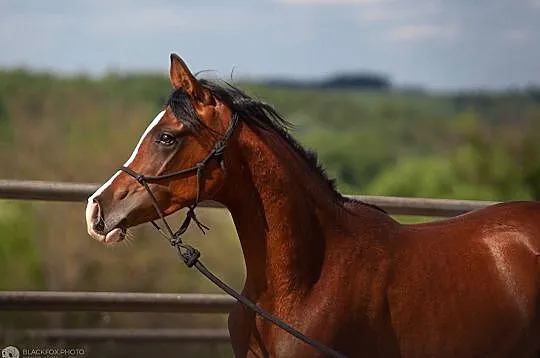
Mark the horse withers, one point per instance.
(341, 271)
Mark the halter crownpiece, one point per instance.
(191, 255)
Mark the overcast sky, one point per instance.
(439, 44)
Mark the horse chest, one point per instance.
(326, 322)
(251, 335)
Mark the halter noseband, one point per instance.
(190, 255)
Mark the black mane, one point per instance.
(251, 111)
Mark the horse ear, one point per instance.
(181, 77)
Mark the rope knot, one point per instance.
(190, 256)
(176, 240)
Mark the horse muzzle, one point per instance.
(106, 231)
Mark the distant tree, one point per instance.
(534, 93)
(343, 81)
(6, 130)
(357, 81)
(530, 159)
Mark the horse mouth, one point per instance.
(116, 234)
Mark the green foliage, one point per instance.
(6, 130)
(408, 143)
(474, 170)
(19, 255)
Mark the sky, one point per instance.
(442, 45)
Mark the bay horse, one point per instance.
(341, 271)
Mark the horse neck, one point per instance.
(284, 213)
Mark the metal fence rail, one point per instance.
(159, 302)
(119, 334)
(115, 302)
(77, 192)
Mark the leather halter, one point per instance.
(216, 153)
(190, 255)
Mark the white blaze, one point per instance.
(91, 206)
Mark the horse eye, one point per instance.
(166, 139)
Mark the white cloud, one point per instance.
(423, 32)
(34, 29)
(517, 35)
(331, 2)
(399, 11)
(135, 20)
(380, 14)
(163, 18)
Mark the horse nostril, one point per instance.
(121, 194)
(99, 225)
(99, 222)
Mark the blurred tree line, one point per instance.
(342, 81)
(477, 145)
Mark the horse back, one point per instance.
(473, 279)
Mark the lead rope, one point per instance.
(191, 255)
